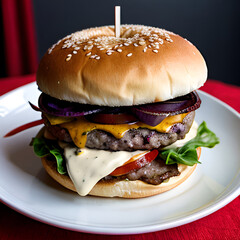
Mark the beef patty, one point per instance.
(133, 139)
(153, 173)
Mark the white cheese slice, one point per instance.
(86, 169)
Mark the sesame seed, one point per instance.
(155, 50)
(150, 40)
(98, 57)
(68, 58)
(135, 44)
(149, 46)
(145, 49)
(141, 43)
(129, 55)
(74, 52)
(93, 56)
(90, 47)
(88, 54)
(119, 50)
(125, 44)
(77, 48)
(109, 53)
(102, 49)
(90, 42)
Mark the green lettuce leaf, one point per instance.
(187, 154)
(43, 148)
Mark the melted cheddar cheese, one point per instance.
(80, 127)
(54, 120)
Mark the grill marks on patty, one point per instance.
(133, 139)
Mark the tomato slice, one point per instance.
(138, 163)
(111, 118)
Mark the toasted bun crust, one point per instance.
(123, 189)
(144, 65)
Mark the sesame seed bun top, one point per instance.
(144, 65)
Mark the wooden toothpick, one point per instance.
(117, 21)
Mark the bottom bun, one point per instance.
(123, 188)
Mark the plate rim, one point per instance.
(209, 209)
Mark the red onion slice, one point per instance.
(63, 108)
(34, 107)
(152, 114)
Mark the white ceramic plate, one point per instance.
(25, 187)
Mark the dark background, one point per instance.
(211, 25)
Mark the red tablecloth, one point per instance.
(223, 224)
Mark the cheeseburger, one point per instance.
(119, 112)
